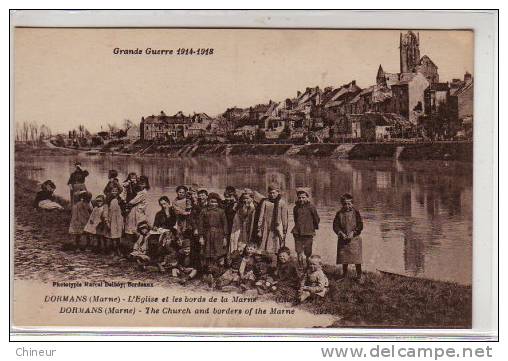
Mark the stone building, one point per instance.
(163, 127)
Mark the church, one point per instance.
(415, 76)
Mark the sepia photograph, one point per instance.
(243, 178)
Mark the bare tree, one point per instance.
(127, 124)
(112, 127)
(81, 130)
(34, 133)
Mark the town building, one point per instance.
(164, 128)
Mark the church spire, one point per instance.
(380, 77)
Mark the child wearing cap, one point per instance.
(243, 224)
(213, 232)
(80, 214)
(96, 227)
(306, 221)
(314, 283)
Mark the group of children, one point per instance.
(236, 241)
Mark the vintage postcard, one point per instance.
(243, 178)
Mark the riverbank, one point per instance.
(458, 151)
(449, 151)
(382, 301)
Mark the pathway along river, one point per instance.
(418, 215)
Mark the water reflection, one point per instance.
(418, 215)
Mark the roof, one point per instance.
(178, 118)
(462, 89)
(425, 57)
(439, 86)
(384, 119)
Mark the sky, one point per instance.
(67, 77)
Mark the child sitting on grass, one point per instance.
(140, 248)
(185, 269)
(80, 214)
(45, 199)
(315, 282)
(239, 269)
(264, 278)
(287, 278)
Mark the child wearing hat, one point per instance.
(96, 227)
(140, 248)
(306, 221)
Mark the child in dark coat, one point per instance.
(213, 231)
(306, 223)
(287, 277)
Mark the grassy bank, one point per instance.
(382, 301)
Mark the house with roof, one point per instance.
(408, 96)
(163, 127)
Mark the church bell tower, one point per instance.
(409, 51)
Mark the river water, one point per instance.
(418, 216)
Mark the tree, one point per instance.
(112, 128)
(127, 124)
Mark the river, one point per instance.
(418, 215)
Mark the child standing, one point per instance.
(80, 215)
(96, 226)
(306, 223)
(130, 185)
(315, 282)
(112, 181)
(243, 224)
(229, 205)
(115, 210)
(181, 208)
(213, 228)
(348, 226)
(273, 223)
(136, 210)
